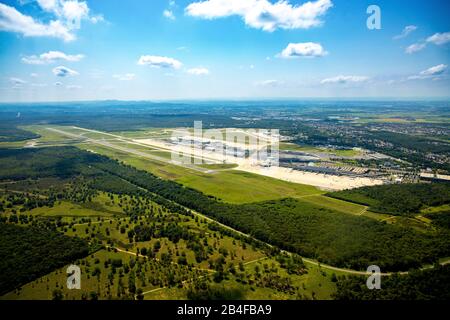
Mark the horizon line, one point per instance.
(237, 99)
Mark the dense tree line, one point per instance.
(432, 284)
(440, 218)
(28, 253)
(398, 199)
(329, 236)
(9, 133)
(203, 290)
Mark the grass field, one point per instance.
(242, 187)
(231, 185)
(316, 284)
(339, 205)
(14, 144)
(217, 166)
(312, 149)
(445, 207)
(68, 209)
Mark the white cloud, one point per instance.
(17, 82)
(50, 57)
(416, 47)
(74, 11)
(125, 77)
(48, 5)
(58, 55)
(97, 18)
(406, 31)
(68, 15)
(159, 62)
(198, 71)
(306, 49)
(439, 38)
(32, 60)
(168, 14)
(432, 72)
(262, 14)
(62, 71)
(34, 75)
(345, 79)
(13, 21)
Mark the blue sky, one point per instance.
(56, 50)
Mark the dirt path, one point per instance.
(307, 260)
(201, 277)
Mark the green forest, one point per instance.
(440, 219)
(331, 237)
(432, 284)
(398, 199)
(10, 133)
(28, 253)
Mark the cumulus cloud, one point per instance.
(13, 21)
(344, 79)
(50, 57)
(432, 72)
(159, 62)
(73, 11)
(406, 31)
(416, 47)
(439, 38)
(198, 71)
(125, 77)
(62, 71)
(68, 15)
(262, 14)
(168, 14)
(306, 49)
